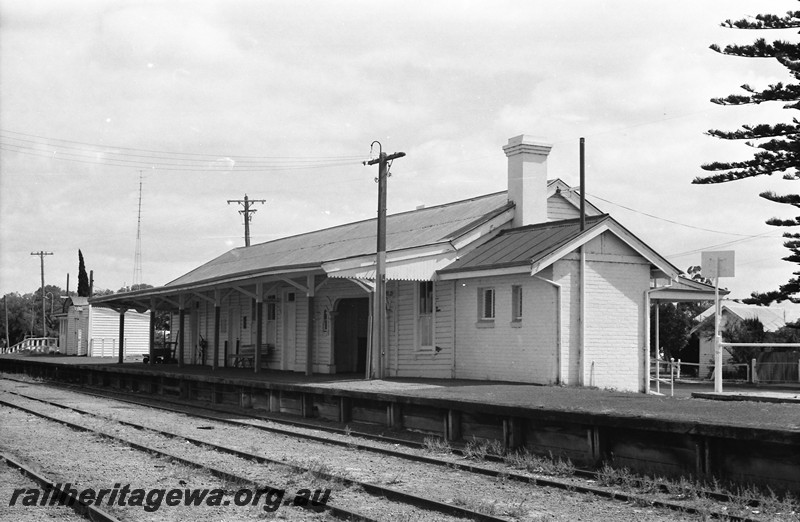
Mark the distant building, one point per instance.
(84, 329)
(773, 319)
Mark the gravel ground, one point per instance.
(501, 497)
(12, 479)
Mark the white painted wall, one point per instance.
(504, 350)
(103, 339)
(616, 280)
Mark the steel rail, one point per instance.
(370, 488)
(183, 407)
(537, 480)
(64, 496)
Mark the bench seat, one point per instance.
(247, 355)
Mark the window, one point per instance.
(486, 304)
(425, 314)
(516, 303)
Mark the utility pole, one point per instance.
(5, 307)
(137, 256)
(246, 213)
(375, 366)
(41, 254)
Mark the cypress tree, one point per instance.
(83, 279)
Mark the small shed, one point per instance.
(84, 329)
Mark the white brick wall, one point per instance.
(615, 324)
(616, 279)
(503, 351)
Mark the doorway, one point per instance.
(350, 330)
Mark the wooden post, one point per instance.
(452, 425)
(217, 314)
(121, 335)
(152, 337)
(259, 326)
(181, 335)
(310, 326)
(379, 305)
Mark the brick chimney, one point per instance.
(527, 178)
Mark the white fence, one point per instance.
(667, 372)
(35, 344)
(106, 347)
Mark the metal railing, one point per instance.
(667, 372)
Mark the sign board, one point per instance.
(722, 260)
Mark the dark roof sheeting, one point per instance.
(411, 229)
(523, 245)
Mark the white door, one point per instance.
(289, 332)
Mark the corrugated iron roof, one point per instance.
(417, 228)
(771, 318)
(523, 245)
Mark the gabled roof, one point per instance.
(771, 318)
(684, 289)
(407, 230)
(76, 300)
(571, 194)
(535, 247)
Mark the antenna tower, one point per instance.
(137, 257)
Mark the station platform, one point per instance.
(745, 441)
(569, 399)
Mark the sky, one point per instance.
(206, 101)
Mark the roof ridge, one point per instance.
(360, 221)
(556, 223)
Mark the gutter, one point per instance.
(559, 344)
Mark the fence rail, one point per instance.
(34, 344)
(667, 372)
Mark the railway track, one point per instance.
(48, 409)
(20, 477)
(347, 440)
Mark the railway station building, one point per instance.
(509, 286)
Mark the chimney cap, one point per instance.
(525, 143)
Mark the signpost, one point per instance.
(715, 265)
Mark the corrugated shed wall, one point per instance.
(104, 334)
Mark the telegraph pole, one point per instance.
(246, 213)
(375, 369)
(8, 339)
(41, 254)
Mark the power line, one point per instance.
(228, 167)
(80, 152)
(208, 155)
(670, 220)
(698, 250)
